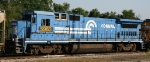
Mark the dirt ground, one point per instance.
(137, 57)
(112, 57)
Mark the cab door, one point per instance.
(33, 23)
(45, 22)
(45, 27)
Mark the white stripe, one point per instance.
(35, 41)
(94, 41)
(67, 32)
(84, 41)
(63, 28)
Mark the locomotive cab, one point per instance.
(36, 27)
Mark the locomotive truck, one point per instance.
(54, 33)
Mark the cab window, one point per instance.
(26, 17)
(33, 19)
(63, 17)
(57, 16)
(45, 22)
(74, 18)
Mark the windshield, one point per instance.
(26, 17)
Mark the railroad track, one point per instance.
(18, 57)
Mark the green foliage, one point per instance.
(14, 8)
(61, 7)
(80, 10)
(105, 15)
(94, 13)
(112, 14)
(128, 14)
(66, 6)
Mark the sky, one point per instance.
(140, 7)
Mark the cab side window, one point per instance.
(57, 16)
(63, 17)
(45, 22)
(33, 19)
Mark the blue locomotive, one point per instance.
(54, 32)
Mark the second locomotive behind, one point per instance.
(145, 33)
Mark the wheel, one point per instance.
(119, 49)
(133, 49)
(33, 51)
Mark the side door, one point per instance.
(33, 23)
(75, 25)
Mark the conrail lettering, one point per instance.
(107, 26)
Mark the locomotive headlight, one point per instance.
(13, 39)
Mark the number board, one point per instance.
(46, 29)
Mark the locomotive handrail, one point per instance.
(96, 35)
(21, 30)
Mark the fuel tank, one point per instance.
(91, 48)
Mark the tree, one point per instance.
(45, 5)
(80, 10)
(119, 16)
(112, 14)
(109, 15)
(14, 8)
(128, 14)
(58, 7)
(61, 7)
(94, 13)
(105, 15)
(66, 6)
